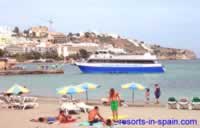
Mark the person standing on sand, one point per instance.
(114, 101)
(147, 95)
(157, 93)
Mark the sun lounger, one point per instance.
(30, 99)
(26, 105)
(70, 107)
(66, 98)
(183, 104)
(172, 103)
(84, 107)
(104, 101)
(195, 105)
(1, 102)
(29, 102)
(5, 102)
(24, 102)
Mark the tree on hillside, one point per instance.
(2, 53)
(87, 34)
(33, 34)
(33, 55)
(26, 33)
(83, 53)
(142, 42)
(51, 55)
(16, 31)
(19, 57)
(73, 56)
(77, 34)
(70, 34)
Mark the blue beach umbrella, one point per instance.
(69, 90)
(16, 89)
(88, 86)
(133, 86)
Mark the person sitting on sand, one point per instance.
(92, 116)
(61, 118)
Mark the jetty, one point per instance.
(25, 72)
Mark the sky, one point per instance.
(170, 23)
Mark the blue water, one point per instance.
(181, 79)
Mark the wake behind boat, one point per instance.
(104, 61)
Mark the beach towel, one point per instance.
(120, 117)
(95, 125)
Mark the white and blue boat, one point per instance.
(104, 61)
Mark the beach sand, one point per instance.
(10, 118)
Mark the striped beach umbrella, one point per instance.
(16, 89)
(133, 86)
(69, 90)
(88, 86)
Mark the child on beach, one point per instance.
(147, 95)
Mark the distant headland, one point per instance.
(38, 42)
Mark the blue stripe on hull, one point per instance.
(88, 69)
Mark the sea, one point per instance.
(181, 79)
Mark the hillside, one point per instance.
(132, 46)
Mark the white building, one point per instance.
(62, 50)
(6, 30)
(117, 50)
(45, 47)
(73, 48)
(29, 47)
(14, 49)
(5, 36)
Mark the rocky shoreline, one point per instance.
(173, 54)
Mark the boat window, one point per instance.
(121, 61)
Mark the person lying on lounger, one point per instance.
(61, 118)
(94, 116)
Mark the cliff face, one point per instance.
(132, 46)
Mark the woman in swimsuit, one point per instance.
(61, 118)
(114, 101)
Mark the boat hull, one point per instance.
(121, 69)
